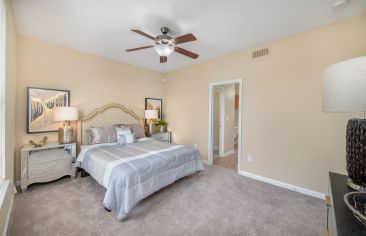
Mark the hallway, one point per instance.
(230, 162)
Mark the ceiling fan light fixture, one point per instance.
(164, 50)
(166, 45)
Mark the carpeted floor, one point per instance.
(218, 202)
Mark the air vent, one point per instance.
(261, 52)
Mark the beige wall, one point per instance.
(10, 89)
(10, 80)
(284, 130)
(93, 82)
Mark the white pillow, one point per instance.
(126, 138)
(125, 135)
(123, 130)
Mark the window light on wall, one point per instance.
(2, 85)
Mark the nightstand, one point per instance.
(47, 163)
(162, 136)
(340, 220)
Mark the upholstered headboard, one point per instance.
(107, 115)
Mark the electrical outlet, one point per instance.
(195, 145)
(250, 158)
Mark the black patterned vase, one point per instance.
(356, 150)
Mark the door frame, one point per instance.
(210, 118)
(221, 130)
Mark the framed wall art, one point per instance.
(154, 104)
(40, 102)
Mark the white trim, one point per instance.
(3, 191)
(283, 185)
(7, 221)
(210, 119)
(228, 153)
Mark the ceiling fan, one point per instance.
(165, 45)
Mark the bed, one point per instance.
(131, 172)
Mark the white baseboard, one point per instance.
(5, 185)
(7, 221)
(283, 185)
(228, 153)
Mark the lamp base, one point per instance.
(356, 186)
(151, 128)
(65, 134)
(356, 150)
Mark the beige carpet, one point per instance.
(217, 203)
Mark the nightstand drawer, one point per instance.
(47, 155)
(48, 168)
(161, 136)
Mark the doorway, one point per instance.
(225, 124)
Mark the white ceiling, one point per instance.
(102, 27)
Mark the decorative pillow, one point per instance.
(126, 138)
(123, 130)
(121, 139)
(102, 135)
(139, 130)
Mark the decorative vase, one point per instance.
(356, 153)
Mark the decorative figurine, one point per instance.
(41, 143)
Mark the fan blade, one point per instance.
(134, 49)
(186, 52)
(163, 59)
(184, 38)
(143, 34)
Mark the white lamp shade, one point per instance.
(164, 50)
(151, 114)
(344, 87)
(65, 113)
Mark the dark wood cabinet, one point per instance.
(340, 220)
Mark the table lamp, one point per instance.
(151, 115)
(65, 114)
(344, 90)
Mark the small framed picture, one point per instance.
(40, 102)
(154, 104)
